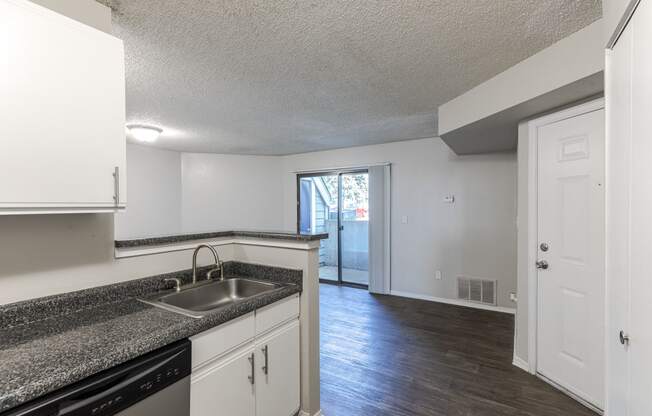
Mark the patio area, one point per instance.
(348, 275)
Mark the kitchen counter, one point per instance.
(49, 343)
(155, 241)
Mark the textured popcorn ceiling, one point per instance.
(281, 77)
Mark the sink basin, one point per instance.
(203, 298)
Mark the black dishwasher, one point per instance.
(155, 384)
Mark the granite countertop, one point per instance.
(49, 343)
(170, 239)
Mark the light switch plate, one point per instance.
(404, 219)
(437, 274)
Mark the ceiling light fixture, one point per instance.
(144, 133)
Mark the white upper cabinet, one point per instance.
(62, 114)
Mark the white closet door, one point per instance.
(619, 153)
(640, 346)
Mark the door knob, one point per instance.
(624, 338)
(542, 264)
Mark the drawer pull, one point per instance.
(116, 186)
(252, 378)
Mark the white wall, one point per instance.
(172, 193)
(613, 11)
(47, 254)
(223, 192)
(88, 12)
(476, 236)
(522, 317)
(573, 58)
(153, 192)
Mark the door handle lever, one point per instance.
(542, 264)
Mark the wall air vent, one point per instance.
(476, 290)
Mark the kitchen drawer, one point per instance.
(276, 314)
(216, 341)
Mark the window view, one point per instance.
(339, 205)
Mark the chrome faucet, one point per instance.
(218, 264)
(177, 283)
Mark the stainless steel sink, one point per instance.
(205, 297)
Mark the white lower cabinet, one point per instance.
(277, 383)
(225, 388)
(260, 376)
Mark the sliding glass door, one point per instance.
(354, 228)
(318, 207)
(337, 203)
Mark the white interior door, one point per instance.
(570, 333)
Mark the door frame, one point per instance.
(338, 173)
(532, 221)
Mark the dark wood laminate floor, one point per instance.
(385, 355)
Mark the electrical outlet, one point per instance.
(404, 219)
(437, 274)
(512, 297)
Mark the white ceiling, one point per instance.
(279, 77)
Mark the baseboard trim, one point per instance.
(319, 413)
(455, 302)
(521, 363)
(571, 394)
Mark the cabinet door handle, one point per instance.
(252, 377)
(116, 185)
(265, 350)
